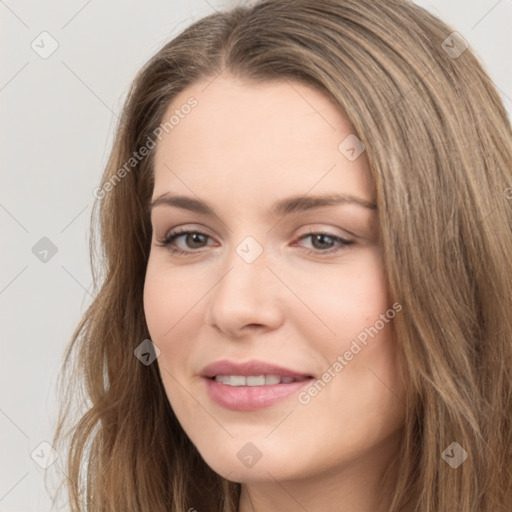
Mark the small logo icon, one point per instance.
(454, 455)
(249, 249)
(146, 352)
(44, 455)
(249, 455)
(455, 45)
(44, 45)
(351, 147)
(44, 250)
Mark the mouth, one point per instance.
(256, 380)
(251, 385)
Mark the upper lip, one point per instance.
(248, 368)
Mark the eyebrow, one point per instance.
(280, 208)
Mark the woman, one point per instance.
(340, 337)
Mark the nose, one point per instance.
(246, 297)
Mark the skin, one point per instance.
(241, 148)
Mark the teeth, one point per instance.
(236, 380)
(224, 379)
(253, 380)
(272, 379)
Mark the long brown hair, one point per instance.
(439, 144)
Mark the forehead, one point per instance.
(259, 138)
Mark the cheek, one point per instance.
(170, 295)
(173, 307)
(168, 307)
(163, 308)
(342, 299)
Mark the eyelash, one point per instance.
(169, 239)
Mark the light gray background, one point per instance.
(58, 115)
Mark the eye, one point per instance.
(197, 240)
(320, 239)
(190, 237)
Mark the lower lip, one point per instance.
(251, 398)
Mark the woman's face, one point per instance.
(274, 323)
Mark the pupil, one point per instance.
(322, 238)
(194, 236)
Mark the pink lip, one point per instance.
(253, 367)
(250, 398)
